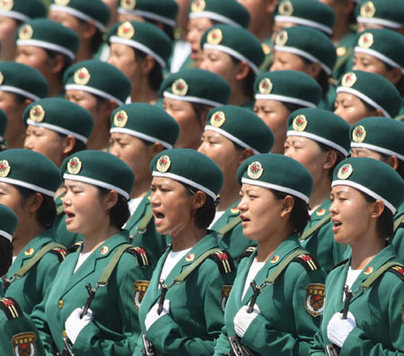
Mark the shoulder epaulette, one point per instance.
(398, 270)
(141, 255)
(224, 261)
(60, 253)
(74, 247)
(339, 264)
(308, 262)
(248, 251)
(10, 308)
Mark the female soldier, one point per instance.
(362, 315)
(188, 96)
(319, 140)
(181, 311)
(28, 181)
(98, 185)
(361, 94)
(231, 135)
(277, 95)
(269, 312)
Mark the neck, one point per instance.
(264, 30)
(187, 238)
(228, 195)
(141, 188)
(8, 54)
(238, 97)
(341, 29)
(267, 247)
(100, 136)
(142, 93)
(55, 85)
(97, 237)
(364, 250)
(24, 235)
(320, 194)
(84, 51)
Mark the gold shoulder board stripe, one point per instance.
(10, 308)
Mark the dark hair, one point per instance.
(385, 223)
(249, 81)
(6, 254)
(400, 84)
(67, 61)
(292, 107)
(340, 156)
(205, 214)
(46, 213)
(385, 158)
(155, 77)
(323, 78)
(201, 111)
(119, 213)
(300, 212)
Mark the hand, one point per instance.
(242, 319)
(338, 329)
(74, 324)
(152, 316)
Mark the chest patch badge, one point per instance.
(224, 296)
(140, 291)
(24, 344)
(315, 296)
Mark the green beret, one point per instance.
(229, 12)
(164, 11)
(8, 222)
(144, 37)
(321, 126)
(29, 169)
(385, 45)
(98, 78)
(385, 13)
(308, 43)
(101, 169)
(373, 89)
(196, 86)
(49, 35)
(23, 80)
(288, 86)
(241, 126)
(61, 116)
(22, 10)
(311, 13)
(372, 177)
(379, 134)
(84, 10)
(3, 124)
(237, 42)
(277, 172)
(189, 167)
(147, 122)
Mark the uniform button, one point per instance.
(60, 304)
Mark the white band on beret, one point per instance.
(15, 15)
(192, 99)
(277, 187)
(317, 138)
(379, 21)
(140, 135)
(96, 182)
(19, 91)
(149, 15)
(232, 52)
(140, 46)
(213, 16)
(59, 129)
(380, 56)
(286, 99)
(377, 149)
(231, 137)
(186, 181)
(362, 96)
(304, 22)
(24, 184)
(77, 13)
(365, 190)
(304, 54)
(93, 91)
(47, 45)
(6, 235)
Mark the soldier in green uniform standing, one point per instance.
(139, 131)
(181, 312)
(362, 315)
(319, 140)
(277, 298)
(232, 134)
(91, 307)
(28, 181)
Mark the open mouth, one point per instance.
(336, 225)
(158, 215)
(69, 216)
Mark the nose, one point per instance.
(154, 199)
(242, 206)
(201, 148)
(28, 144)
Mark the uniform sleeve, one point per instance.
(46, 272)
(317, 348)
(262, 335)
(222, 345)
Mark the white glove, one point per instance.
(338, 329)
(242, 319)
(74, 324)
(152, 316)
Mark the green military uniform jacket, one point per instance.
(345, 53)
(149, 239)
(321, 243)
(267, 46)
(196, 315)
(327, 102)
(30, 289)
(19, 335)
(230, 233)
(114, 329)
(379, 329)
(398, 240)
(289, 316)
